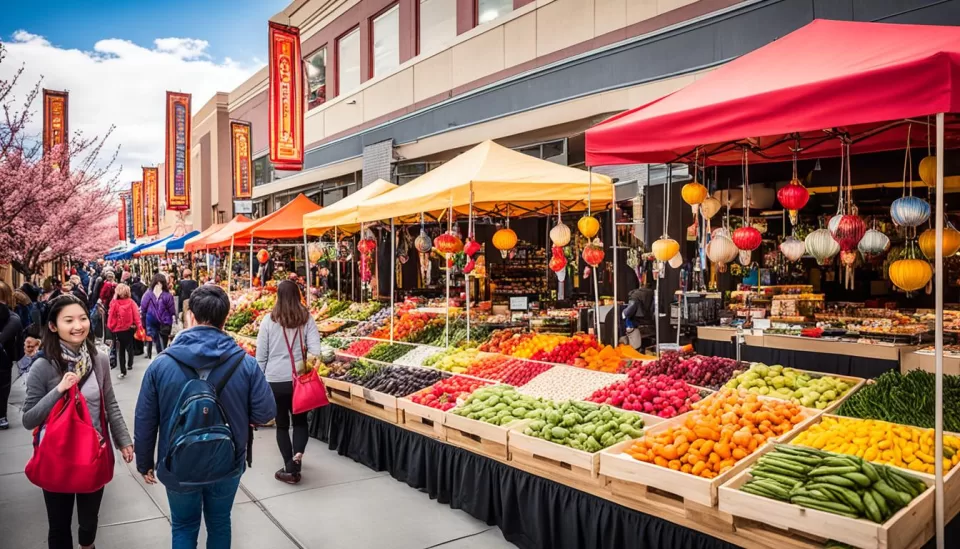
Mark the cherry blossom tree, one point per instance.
(53, 204)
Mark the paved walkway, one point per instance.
(340, 503)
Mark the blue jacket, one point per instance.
(247, 397)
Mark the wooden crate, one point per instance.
(780, 521)
(339, 391)
(553, 460)
(422, 419)
(375, 404)
(481, 438)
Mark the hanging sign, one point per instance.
(286, 98)
(122, 218)
(128, 215)
(139, 227)
(178, 151)
(151, 191)
(54, 119)
(242, 161)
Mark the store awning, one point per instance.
(175, 245)
(203, 235)
(157, 247)
(498, 177)
(344, 212)
(829, 75)
(226, 230)
(283, 224)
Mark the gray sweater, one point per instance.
(42, 394)
(272, 354)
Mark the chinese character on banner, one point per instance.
(286, 98)
(122, 218)
(55, 125)
(178, 151)
(242, 161)
(152, 200)
(139, 228)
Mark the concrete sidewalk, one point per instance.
(339, 503)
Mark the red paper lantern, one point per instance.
(793, 197)
(849, 232)
(593, 253)
(558, 262)
(471, 248)
(747, 238)
(263, 256)
(447, 243)
(367, 245)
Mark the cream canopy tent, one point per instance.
(344, 213)
(498, 177)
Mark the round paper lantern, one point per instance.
(593, 253)
(821, 245)
(744, 257)
(589, 226)
(910, 274)
(560, 235)
(423, 243)
(833, 223)
(721, 250)
(792, 249)
(747, 238)
(314, 252)
(665, 248)
(558, 261)
(471, 248)
(504, 240)
(928, 171)
(793, 197)
(720, 231)
(873, 242)
(447, 243)
(693, 193)
(849, 231)
(928, 242)
(910, 211)
(709, 207)
(263, 256)
(367, 245)
(676, 261)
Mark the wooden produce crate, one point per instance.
(479, 437)
(375, 404)
(339, 391)
(425, 420)
(784, 524)
(854, 382)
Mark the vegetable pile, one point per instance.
(722, 429)
(585, 426)
(360, 311)
(843, 485)
(500, 405)
(905, 399)
(443, 394)
(336, 342)
(360, 372)
(663, 395)
(386, 352)
(790, 384)
(372, 324)
(360, 347)
(401, 380)
(404, 327)
(417, 356)
(452, 360)
(880, 442)
(510, 371)
(566, 383)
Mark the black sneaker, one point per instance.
(4, 424)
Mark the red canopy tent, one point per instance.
(825, 79)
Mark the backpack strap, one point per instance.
(188, 370)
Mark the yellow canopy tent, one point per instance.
(499, 177)
(343, 214)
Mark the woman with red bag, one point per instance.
(70, 401)
(287, 334)
(124, 321)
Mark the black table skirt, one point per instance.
(804, 360)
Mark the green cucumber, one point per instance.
(837, 480)
(826, 470)
(785, 464)
(859, 478)
(849, 497)
(774, 476)
(756, 490)
(829, 507)
(881, 503)
(896, 498)
(870, 471)
(871, 507)
(779, 470)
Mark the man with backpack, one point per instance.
(200, 396)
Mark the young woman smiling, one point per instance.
(70, 357)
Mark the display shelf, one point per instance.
(554, 460)
(479, 437)
(425, 420)
(339, 391)
(374, 403)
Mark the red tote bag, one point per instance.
(308, 390)
(71, 456)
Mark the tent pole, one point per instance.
(596, 290)
(613, 235)
(353, 270)
(251, 262)
(230, 268)
(466, 276)
(336, 250)
(938, 291)
(393, 271)
(306, 262)
(446, 330)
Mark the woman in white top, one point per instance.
(287, 333)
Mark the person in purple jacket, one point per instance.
(157, 309)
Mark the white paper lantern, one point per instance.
(792, 249)
(676, 261)
(721, 250)
(873, 242)
(821, 245)
(833, 223)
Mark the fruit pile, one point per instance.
(510, 371)
(505, 341)
(371, 325)
(403, 327)
(661, 395)
(500, 405)
(606, 359)
(843, 485)
(564, 350)
(585, 426)
(452, 360)
(387, 352)
(704, 371)
(433, 330)
(790, 384)
(666, 365)
(443, 394)
(337, 369)
(360, 347)
(250, 348)
(401, 380)
(721, 430)
(905, 399)
(566, 383)
(880, 442)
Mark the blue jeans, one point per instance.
(214, 502)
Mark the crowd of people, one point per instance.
(198, 401)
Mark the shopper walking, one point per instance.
(124, 321)
(70, 359)
(78, 289)
(186, 287)
(170, 385)
(287, 334)
(157, 310)
(11, 347)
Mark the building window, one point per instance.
(259, 209)
(438, 24)
(348, 62)
(317, 77)
(488, 10)
(386, 41)
(263, 171)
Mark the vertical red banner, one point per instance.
(286, 98)
(242, 143)
(139, 228)
(151, 191)
(122, 218)
(55, 119)
(178, 151)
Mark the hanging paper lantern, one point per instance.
(558, 261)
(833, 223)
(665, 248)
(928, 242)
(560, 235)
(314, 252)
(367, 245)
(747, 238)
(676, 261)
(821, 245)
(263, 256)
(720, 231)
(793, 197)
(589, 226)
(849, 231)
(504, 240)
(721, 250)
(468, 268)
(928, 171)
(593, 253)
(423, 242)
(910, 211)
(447, 243)
(693, 193)
(792, 249)
(709, 207)
(744, 257)
(873, 242)
(910, 273)
(471, 248)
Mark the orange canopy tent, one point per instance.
(202, 236)
(283, 224)
(216, 238)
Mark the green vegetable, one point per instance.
(905, 398)
(872, 509)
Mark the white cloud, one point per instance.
(124, 84)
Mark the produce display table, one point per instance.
(924, 360)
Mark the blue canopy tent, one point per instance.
(175, 245)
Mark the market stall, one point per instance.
(216, 240)
(176, 245)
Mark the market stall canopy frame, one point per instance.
(202, 236)
(175, 245)
(825, 79)
(216, 239)
(344, 213)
